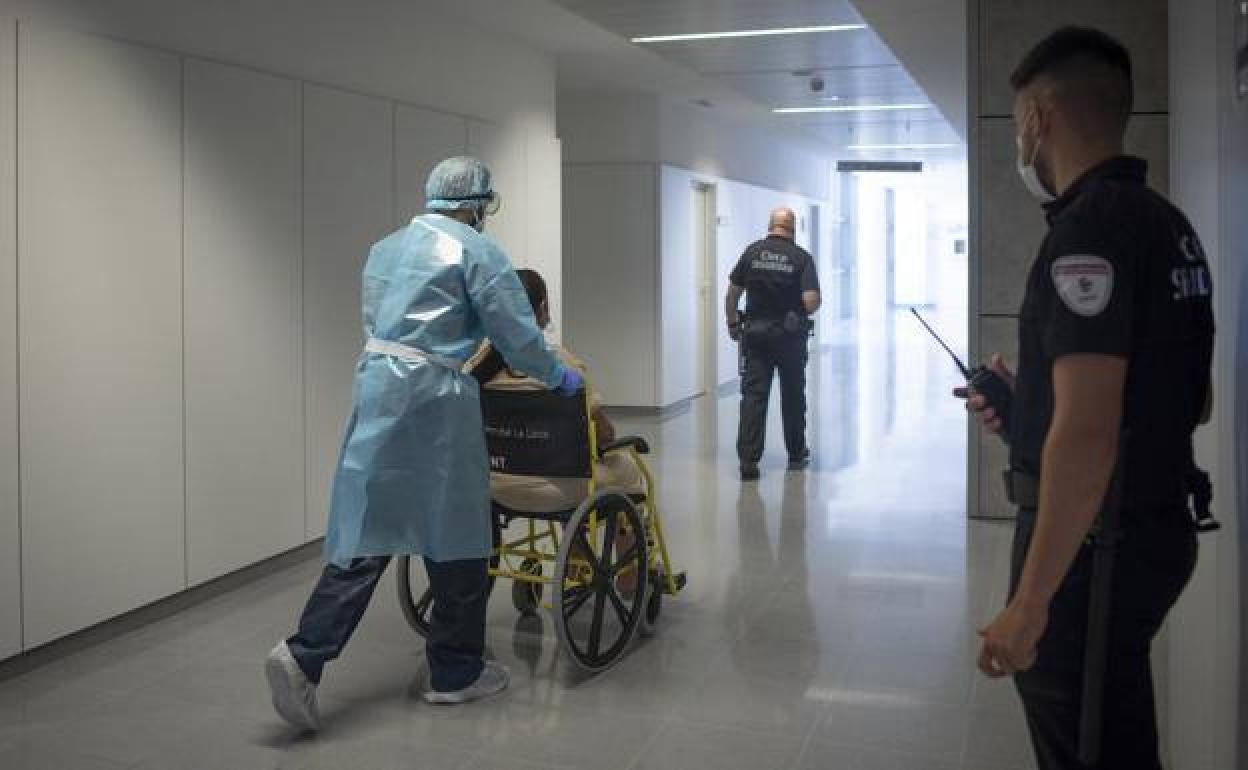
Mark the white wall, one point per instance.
(99, 252)
(758, 154)
(612, 277)
(1209, 169)
(191, 236)
(243, 357)
(678, 287)
(348, 199)
(609, 128)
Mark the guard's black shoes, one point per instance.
(749, 472)
(801, 462)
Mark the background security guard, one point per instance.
(1116, 341)
(781, 286)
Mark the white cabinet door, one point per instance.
(348, 202)
(10, 525)
(244, 363)
(100, 258)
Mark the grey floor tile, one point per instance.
(698, 747)
(820, 755)
(895, 722)
(730, 700)
(569, 737)
(27, 757)
(504, 762)
(998, 738)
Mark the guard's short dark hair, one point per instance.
(1090, 69)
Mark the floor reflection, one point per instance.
(828, 623)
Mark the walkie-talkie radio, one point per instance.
(982, 380)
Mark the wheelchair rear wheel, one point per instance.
(595, 621)
(416, 608)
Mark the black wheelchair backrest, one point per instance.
(537, 433)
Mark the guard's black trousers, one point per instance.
(1153, 564)
(456, 646)
(765, 355)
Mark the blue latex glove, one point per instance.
(571, 384)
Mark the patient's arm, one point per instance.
(603, 428)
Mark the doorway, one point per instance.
(704, 223)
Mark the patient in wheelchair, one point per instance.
(616, 470)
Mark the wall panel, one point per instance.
(348, 205)
(10, 524)
(544, 180)
(99, 260)
(1011, 27)
(244, 393)
(422, 138)
(504, 152)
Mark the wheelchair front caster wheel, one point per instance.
(526, 596)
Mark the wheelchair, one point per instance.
(601, 568)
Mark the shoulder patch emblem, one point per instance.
(1084, 282)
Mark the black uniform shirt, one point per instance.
(1121, 272)
(774, 272)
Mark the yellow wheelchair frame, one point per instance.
(578, 552)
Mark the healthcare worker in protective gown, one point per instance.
(413, 476)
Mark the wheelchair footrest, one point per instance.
(681, 580)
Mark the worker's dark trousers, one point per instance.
(1154, 563)
(764, 355)
(455, 649)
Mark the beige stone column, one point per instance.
(1006, 224)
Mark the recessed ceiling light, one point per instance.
(850, 108)
(870, 147)
(748, 33)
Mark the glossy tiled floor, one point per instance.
(828, 623)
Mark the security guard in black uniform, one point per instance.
(781, 286)
(1116, 341)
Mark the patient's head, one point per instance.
(535, 287)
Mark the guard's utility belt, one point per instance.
(410, 354)
(791, 324)
(1023, 491)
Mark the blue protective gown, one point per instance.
(413, 474)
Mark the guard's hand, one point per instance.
(571, 384)
(979, 405)
(1010, 640)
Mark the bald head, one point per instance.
(783, 222)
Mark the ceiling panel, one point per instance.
(855, 66)
(635, 18)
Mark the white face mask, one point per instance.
(1030, 176)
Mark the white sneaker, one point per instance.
(493, 680)
(294, 696)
